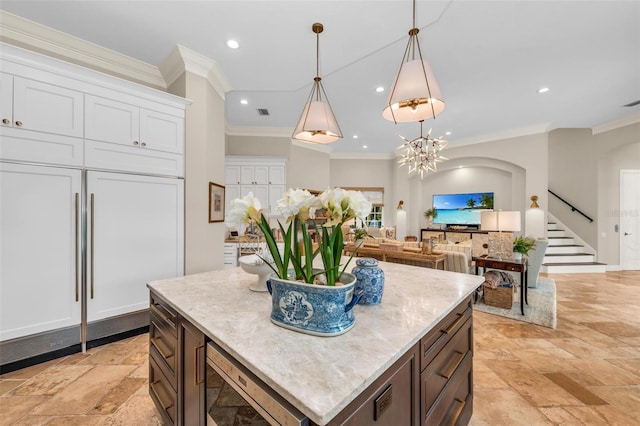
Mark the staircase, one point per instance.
(564, 256)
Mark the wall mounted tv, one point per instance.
(461, 209)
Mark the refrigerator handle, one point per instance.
(91, 244)
(77, 200)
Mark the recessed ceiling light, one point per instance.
(447, 133)
(355, 136)
(232, 44)
(244, 101)
(543, 90)
(365, 147)
(379, 89)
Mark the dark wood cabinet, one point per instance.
(447, 370)
(392, 400)
(176, 366)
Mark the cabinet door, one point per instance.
(261, 192)
(246, 175)
(47, 108)
(162, 132)
(276, 175)
(39, 266)
(261, 175)
(231, 192)
(275, 194)
(6, 99)
(135, 235)
(112, 121)
(192, 391)
(232, 175)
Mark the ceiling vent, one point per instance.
(263, 111)
(632, 104)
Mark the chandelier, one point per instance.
(422, 153)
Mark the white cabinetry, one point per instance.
(264, 176)
(125, 137)
(230, 255)
(135, 236)
(39, 265)
(79, 239)
(41, 106)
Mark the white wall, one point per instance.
(308, 168)
(204, 163)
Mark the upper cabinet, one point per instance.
(117, 122)
(264, 176)
(39, 106)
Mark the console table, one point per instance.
(434, 260)
(485, 262)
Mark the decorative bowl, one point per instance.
(252, 264)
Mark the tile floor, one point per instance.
(586, 372)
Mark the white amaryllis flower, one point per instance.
(298, 202)
(335, 201)
(359, 206)
(243, 210)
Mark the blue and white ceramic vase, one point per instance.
(370, 279)
(319, 310)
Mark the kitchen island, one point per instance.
(421, 334)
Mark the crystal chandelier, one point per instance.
(422, 153)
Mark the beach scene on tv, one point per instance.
(461, 209)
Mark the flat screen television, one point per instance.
(461, 209)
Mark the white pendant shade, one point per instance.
(317, 124)
(416, 95)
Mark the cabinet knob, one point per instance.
(18, 123)
(143, 144)
(136, 142)
(5, 121)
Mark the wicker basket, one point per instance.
(499, 297)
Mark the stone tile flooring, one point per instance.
(586, 372)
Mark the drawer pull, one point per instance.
(383, 402)
(152, 386)
(453, 366)
(196, 376)
(19, 123)
(163, 313)
(453, 325)
(458, 411)
(159, 348)
(5, 121)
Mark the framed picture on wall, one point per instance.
(216, 203)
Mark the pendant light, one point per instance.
(415, 95)
(317, 123)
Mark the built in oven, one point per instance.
(235, 396)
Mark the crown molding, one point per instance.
(33, 36)
(313, 146)
(507, 134)
(627, 120)
(182, 59)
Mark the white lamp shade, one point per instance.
(500, 221)
(411, 98)
(317, 124)
(489, 221)
(509, 221)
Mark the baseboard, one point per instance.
(614, 268)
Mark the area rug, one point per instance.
(541, 309)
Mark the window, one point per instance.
(376, 197)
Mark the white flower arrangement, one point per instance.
(298, 206)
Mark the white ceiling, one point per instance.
(489, 58)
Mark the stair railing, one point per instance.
(573, 208)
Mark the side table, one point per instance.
(485, 262)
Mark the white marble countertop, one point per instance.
(318, 375)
